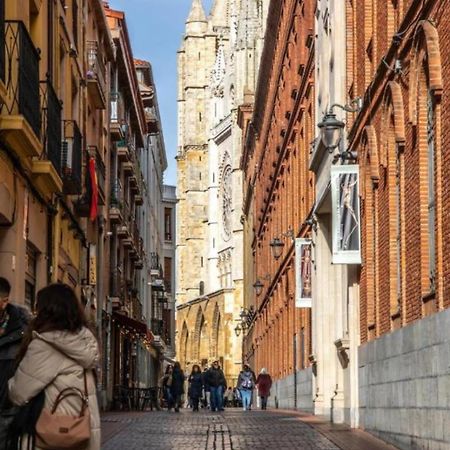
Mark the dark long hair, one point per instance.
(193, 368)
(57, 309)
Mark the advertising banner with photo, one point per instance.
(346, 214)
(303, 273)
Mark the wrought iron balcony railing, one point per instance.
(157, 326)
(116, 193)
(117, 114)
(95, 75)
(21, 75)
(71, 158)
(51, 126)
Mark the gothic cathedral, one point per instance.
(217, 69)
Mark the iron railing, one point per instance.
(51, 126)
(154, 261)
(22, 75)
(72, 158)
(117, 113)
(116, 193)
(96, 67)
(157, 326)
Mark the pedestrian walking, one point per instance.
(264, 383)
(57, 360)
(206, 401)
(217, 383)
(195, 386)
(246, 384)
(177, 387)
(13, 323)
(229, 397)
(166, 383)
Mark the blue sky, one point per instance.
(156, 28)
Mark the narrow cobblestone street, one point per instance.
(231, 430)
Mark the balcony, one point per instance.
(46, 171)
(100, 172)
(95, 75)
(123, 153)
(117, 116)
(152, 121)
(20, 120)
(157, 326)
(128, 168)
(115, 210)
(71, 158)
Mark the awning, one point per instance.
(133, 325)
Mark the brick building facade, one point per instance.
(374, 347)
(278, 195)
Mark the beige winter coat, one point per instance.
(56, 360)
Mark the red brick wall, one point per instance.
(389, 108)
(283, 194)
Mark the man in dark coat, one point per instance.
(13, 322)
(217, 384)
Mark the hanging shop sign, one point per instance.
(303, 273)
(346, 214)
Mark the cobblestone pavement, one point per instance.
(232, 430)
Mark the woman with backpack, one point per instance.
(246, 384)
(57, 362)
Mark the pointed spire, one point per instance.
(220, 12)
(197, 13)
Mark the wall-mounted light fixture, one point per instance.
(277, 245)
(259, 285)
(331, 128)
(245, 318)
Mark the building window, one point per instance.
(168, 274)
(431, 136)
(168, 224)
(201, 288)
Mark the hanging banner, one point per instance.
(303, 273)
(345, 214)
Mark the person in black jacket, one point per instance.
(217, 384)
(13, 323)
(195, 386)
(177, 387)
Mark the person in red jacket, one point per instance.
(264, 383)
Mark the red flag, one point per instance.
(94, 193)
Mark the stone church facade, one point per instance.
(217, 67)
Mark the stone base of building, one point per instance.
(283, 393)
(404, 385)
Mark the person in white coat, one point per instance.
(58, 351)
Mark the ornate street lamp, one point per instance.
(237, 330)
(331, 128)
(276, 245)
(331, 131)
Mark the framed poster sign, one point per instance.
(303, 273)
(346, 214)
